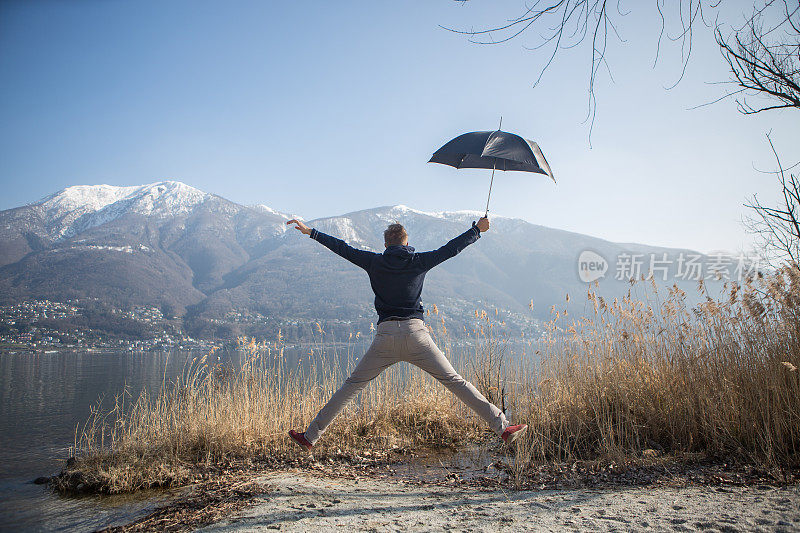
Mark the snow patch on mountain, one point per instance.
(342, 227)
(81, 207)
(84, 198)
(404, 209)
(447, 215)
(126, 249)
(268, 209)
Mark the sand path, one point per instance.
(307, 502)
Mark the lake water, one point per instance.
(43, 398)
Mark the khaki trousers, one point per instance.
(410, 341)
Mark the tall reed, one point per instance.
(213, 413)
(719, 379)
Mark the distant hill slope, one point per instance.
(170, 244)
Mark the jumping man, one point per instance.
(396, 277)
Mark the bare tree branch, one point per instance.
(765, 63)
(778, 228)
(565, 24)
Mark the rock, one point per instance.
(42, 480)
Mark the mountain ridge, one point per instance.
(169, 244)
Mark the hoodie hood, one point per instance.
(399, 250)
(398, 255)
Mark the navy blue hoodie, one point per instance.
(397, 274)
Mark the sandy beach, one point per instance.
(305, 501)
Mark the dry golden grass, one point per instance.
(717, 379)
(213, 414)
(720, 379)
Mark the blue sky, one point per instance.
(321, 108)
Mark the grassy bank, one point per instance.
(637, 376)
(719, 379)
(213, 414)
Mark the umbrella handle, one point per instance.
(491, 182)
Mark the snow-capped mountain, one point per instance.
(169, 243)
(82, 207)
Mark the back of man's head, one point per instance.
(395, 234)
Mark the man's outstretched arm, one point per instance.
(358, 257)
(452, 248)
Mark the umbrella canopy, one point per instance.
(498, 150)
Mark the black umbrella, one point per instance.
(498, 150)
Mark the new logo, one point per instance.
(591, 266)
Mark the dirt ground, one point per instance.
(307, 501)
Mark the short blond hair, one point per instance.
(395, 234)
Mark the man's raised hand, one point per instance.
(300, 226)
(483, 224)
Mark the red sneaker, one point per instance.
(512, 433)
(300, 439)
